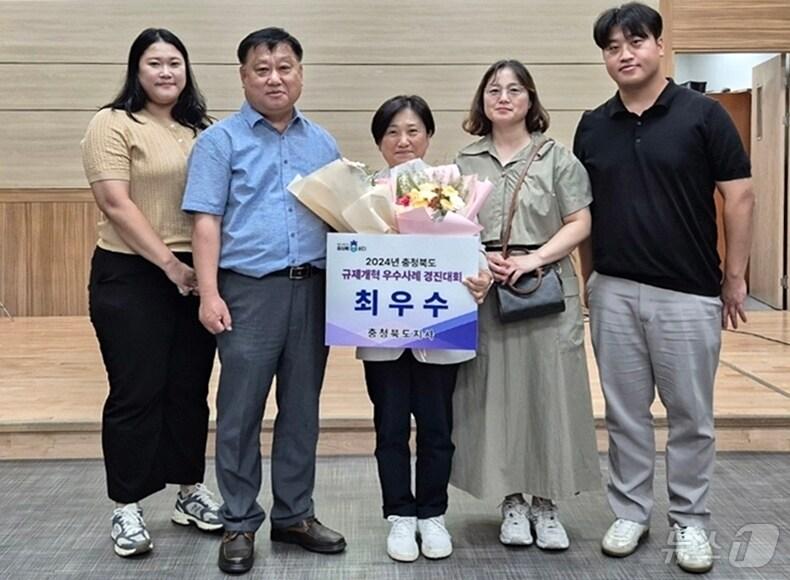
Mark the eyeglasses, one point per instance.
(513, 92)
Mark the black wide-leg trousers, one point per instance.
(158, 359)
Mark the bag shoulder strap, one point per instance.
(536, 153)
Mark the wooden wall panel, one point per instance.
(63, 236)
(14, 236)
(327, 87)
(357, 54)
(45, 149)
(730, 26)
(62, 59)
(332, 31)
(49, 154)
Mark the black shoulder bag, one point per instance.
(537, 293)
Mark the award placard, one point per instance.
(401, 291)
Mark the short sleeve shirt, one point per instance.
(556, 186)
(152, 157)
(240, 169)
(653, 180)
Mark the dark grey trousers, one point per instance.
(278, 331)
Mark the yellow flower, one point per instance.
(450, 191)
(436, 198)
(428, 190)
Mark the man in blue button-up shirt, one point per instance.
(259, 256)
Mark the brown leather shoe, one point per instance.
(236, 552)
(311, 535)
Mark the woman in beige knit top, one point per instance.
(142, 292)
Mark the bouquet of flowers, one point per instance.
(413, 198)
(436, 197)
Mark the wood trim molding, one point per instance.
(36, 195)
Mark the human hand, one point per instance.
(214, 314)
(500, 268)
(523, 264)
(512, 268)
(733, 296)
(479, 285)
(182, 276)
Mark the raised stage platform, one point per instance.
(52, 386)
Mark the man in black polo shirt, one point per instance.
(658, 300)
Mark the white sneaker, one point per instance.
(692, 549)
(514, 530)
(549, 531)
(402, 540)
(623, 538)
(129, 534)
(435, 540)
(198, 508)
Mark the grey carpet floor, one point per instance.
(54, 523)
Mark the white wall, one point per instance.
(720, 71)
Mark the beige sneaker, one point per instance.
(623, 538)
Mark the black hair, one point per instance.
(271, 37)
(476, 122)
(394, 105)
(190, 108)
(633, 18)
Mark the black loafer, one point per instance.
(311, 535)
(236, 552)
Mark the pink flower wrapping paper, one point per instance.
(351, 199)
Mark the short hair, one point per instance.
(190, 108)
(394, 105)
(271, 37)
(633, 18)
(537, 118)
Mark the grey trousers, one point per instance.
(647, 338)
(278, 330)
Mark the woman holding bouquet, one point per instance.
(523, 412)
(157, 355)
(406, 382)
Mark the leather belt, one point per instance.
(497, 247)
(298, 272)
